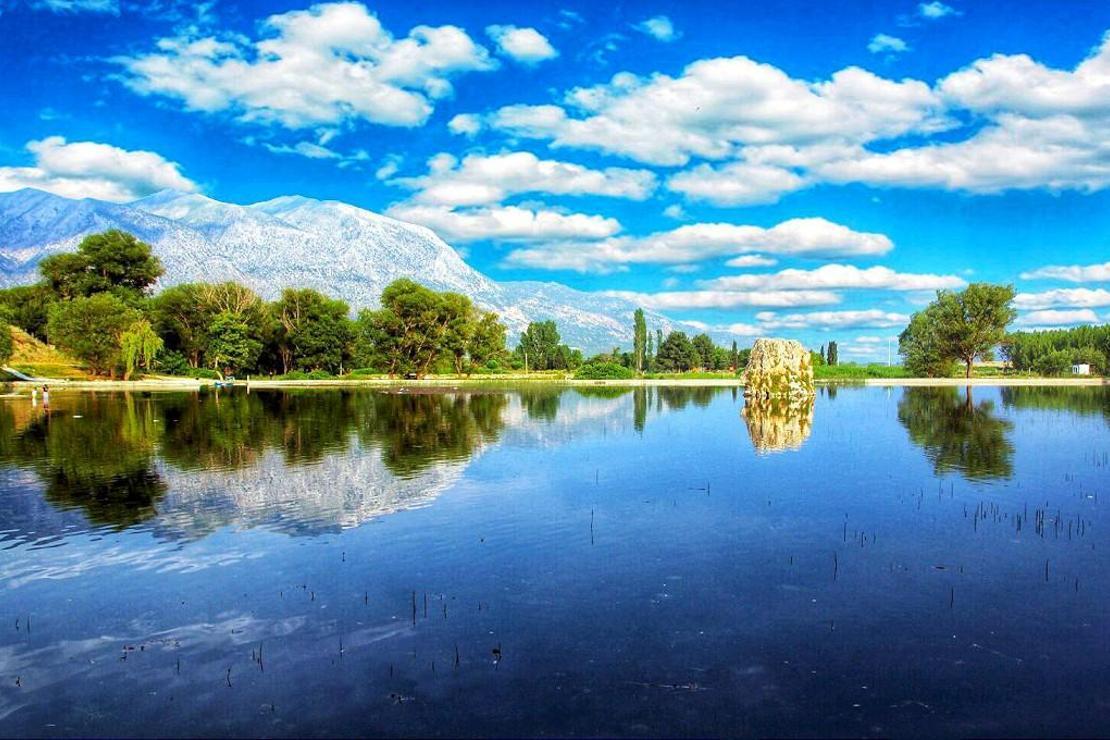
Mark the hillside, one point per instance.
(36, 358)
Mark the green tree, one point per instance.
(407, 333)
(734, 356)
(28, 307)
(6, 347)
(970, 323)
(832, 356)
(232, 344)
(110, 261)
(703, 346)
(315, 332)
(920, 347)
(676, 353)
(540, 345)
(639, 340)
(487, 343)
(140, 344)
(90, 329)
(649, 356)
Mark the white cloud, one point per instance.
(718, 105)
(330, 64)
(1054, 318)
(1071, 273)
(86, 169)
(110, 7)
(736, 183)
(485, 179)
(525, 45)
(1065, 297)
(832, 319)
(803, 237)
(836, 276)
(304, 149)
(882, 43)
(675, 211)
(505, 223)
(659, 28)
(690, 299)
(752, 260)
(465, 124)
(936, 10)
(389, 167)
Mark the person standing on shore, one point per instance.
(46, 397)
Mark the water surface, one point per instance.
(579, 561)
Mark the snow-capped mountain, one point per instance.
(292, 241)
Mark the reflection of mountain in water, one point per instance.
(957, 434)
(778, 424)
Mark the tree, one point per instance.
(315, 333)
(407, 334)
(28, 307)
(459, 334)
(90, 329)
(734, 356)
(649, 356)
(824, 357)
(540, 345)
(920, 347)
(6, 347)
(110, 261)
(639, 340)
(231, 343)
(676, 353)
(487, 343)
(832, 357)
(140, 344)
(970, 323)
(703, 346)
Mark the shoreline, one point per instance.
(191, 384)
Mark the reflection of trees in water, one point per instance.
(677, 398)
(96, 455)
(778, 424)
(957, 434)
(1087, 401)
(541, 404)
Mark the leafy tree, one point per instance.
(920, 346)
(407, 333)
(734, 356)
(459, 334)
(487, 343)
(6, 347)
(90, 329)
(231, 343)
(1054, 363)
(639, 340)
(1089, 344)
(110, 261)
(676, 353)
(832, 357)
(315, 333)
(970, 323)
(703, 346)
(824, 358)
(28, 307)
(649, 356)
(721, 358)
(182, 314)
(540, 345)
(139, 346)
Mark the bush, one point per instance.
(603, 371)
(173, 362)
(301, 375)
(202, 373)
(1054, 363)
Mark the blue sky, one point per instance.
(806, 169)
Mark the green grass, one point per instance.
(853, 371)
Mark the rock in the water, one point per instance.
(778, 368)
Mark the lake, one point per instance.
(559, 561)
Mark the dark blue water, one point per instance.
(600, 561)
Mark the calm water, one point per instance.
(658, 561)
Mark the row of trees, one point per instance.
(96, 305)
(1054, 352)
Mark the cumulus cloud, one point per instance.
(1071, 273)
(832, 319)
(690, 299)
(935, 10)
(525, 45)
(736, 183)
(484, 179)
(837, 276)
(718, 105)
(330, 64)
(465, 124)
(1064, 297)
(505, 223)
(882, 43)
(801, 237)
(659, 28)
(86, 169)
(1056, 317)
(752, 260)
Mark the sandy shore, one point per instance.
(189, 384)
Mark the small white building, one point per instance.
(1081, 368)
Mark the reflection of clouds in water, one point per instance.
(98, 658)
(778, 424)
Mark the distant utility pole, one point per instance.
(888, 351)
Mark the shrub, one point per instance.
(603, 371)
(1054, 363)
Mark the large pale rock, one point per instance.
(778, 368)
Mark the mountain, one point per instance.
(294, 241)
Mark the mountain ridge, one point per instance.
(296, 241)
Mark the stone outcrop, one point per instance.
(778, 368)
(778, 424)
